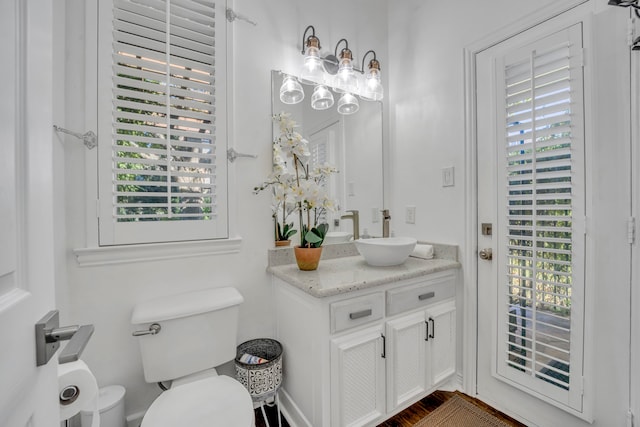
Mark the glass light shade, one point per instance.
(322, 98)
(312, 71)
(372, 90)
(291, 91)
(346, 79)
(348, 104)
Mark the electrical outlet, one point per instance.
(448, 177)
(375, 215)
(410, 215)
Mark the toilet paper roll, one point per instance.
(77, 391)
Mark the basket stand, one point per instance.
(261, 380)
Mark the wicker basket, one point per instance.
(262, 380)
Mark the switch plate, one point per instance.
(448, 177)
(410, 215)
(375, 215)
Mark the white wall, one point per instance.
(105, 295)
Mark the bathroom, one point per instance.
(423, 47)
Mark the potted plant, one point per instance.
(299, 187)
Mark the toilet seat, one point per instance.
(213, 401)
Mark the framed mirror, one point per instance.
(353, 144)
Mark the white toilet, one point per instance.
(197, 331)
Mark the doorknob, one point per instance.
(486, 254)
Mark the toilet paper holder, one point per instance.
(49, 334)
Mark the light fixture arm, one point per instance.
(365, 57)
(304, 38)
(346, 47)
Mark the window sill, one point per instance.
(108, 255)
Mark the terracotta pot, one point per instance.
(307, 258)
(280, 243)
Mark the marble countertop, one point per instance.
(350, 273)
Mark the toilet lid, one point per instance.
(214, 401)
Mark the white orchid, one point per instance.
(301, 189)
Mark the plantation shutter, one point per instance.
(542, 199)
(319, 151)
(163, 143)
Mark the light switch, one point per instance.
(448, 177)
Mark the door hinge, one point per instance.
(580, 57)
(631, 230)
(630, 418)
(98, 208)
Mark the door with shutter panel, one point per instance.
(531, 181)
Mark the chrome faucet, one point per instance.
(385, 222)
(354, 216)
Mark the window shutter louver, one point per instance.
(167, 139)
(543, 212)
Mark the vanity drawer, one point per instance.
(420, 294)
(356, 311)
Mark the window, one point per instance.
(162, 122)
(541, 271)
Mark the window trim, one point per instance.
(89, 252)
(124, 254)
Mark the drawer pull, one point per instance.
(426, 296)
(359, 314)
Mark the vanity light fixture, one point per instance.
(312, 71)
(334, 71)
(346, 79)
(348, 104)
(372, 90)
(291, 90)
(322, 98)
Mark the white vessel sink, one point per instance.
(386, 251)
(337, 237)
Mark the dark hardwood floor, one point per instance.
(409, 416)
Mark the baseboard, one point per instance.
(290, 410)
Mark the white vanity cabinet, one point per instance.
(357, 358)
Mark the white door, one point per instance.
(531, 188)
(28, 394)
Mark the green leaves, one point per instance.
(313, 238)
(283, 233)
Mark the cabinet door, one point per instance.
(442, 339)
(357, 377)
(408, 368)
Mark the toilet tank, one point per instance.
(198, 332)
